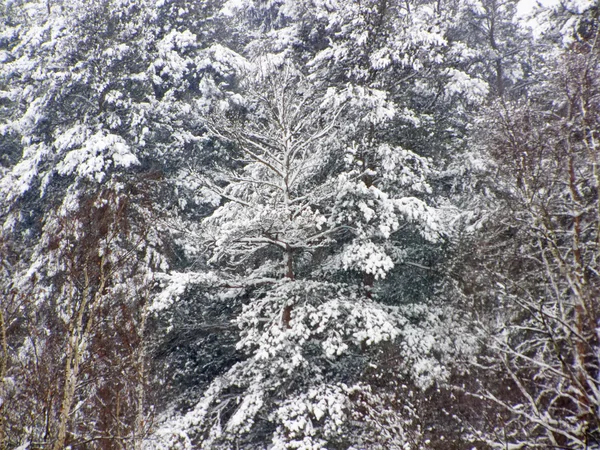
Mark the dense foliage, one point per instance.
(299, 224)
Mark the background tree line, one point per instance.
(299, 224)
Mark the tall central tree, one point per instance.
(301, 206)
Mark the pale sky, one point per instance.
(526, 6)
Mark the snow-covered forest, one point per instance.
(299, 224)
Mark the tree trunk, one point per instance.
(138, 430)
(78, 331)
(3, 369)
(286, 316)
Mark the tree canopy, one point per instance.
(299, 224)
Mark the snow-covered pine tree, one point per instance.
(304, 229)
(400, 97)
(78, 252)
